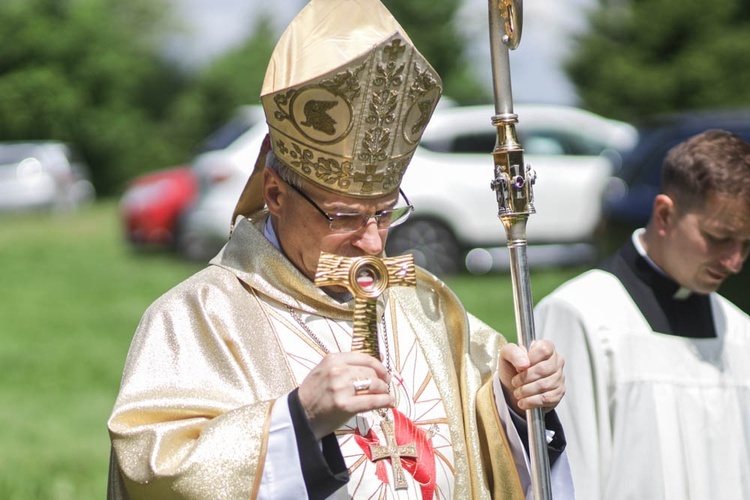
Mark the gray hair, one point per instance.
(284, 171)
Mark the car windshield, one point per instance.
(655, 141)
(231, 130)
(538, 141)
(14, 153)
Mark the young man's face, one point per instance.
(303, 232)
(702, 248)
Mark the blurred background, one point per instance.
(127, 129)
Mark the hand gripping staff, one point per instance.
(513, 187)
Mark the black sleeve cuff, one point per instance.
(552, 423)
(324, 470)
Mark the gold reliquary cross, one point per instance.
(367, 278)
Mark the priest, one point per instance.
(658, 375)
(247, 380)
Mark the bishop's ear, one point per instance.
(274, 190)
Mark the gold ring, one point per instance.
(361, 384)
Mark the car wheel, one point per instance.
(433, 245)
(193, 247)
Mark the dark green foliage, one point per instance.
(230, 81)
(87, 72)
(643, 57)
(431, 26)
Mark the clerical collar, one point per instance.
(270, 235)
(682, 292)
(655, 294)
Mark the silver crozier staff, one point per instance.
(513, 187)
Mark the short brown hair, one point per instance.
(710, 163)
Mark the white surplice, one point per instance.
(649, 416)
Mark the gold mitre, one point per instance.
(347, 97)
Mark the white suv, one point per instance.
(448, 182)
(45, 175)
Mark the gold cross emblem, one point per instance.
(367, 278)
(369, 177)
(395, 49)
(393, 451)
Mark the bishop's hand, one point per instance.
(330, 396)
(534, 379)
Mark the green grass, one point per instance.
(490, 297)
(72, 294)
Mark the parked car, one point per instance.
(630, 194)
(448, 183)
(572, 152)
(153, 203)
(241, 121)
(42, 175)
(221, 175)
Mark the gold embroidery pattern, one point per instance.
(394, 172)
(327, 170)
(316, 116)
(423, 94)
(345, 85)
(381, 113)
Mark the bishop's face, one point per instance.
(304, 232)
(702, 248)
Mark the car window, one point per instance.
(560, 142)
(649, 167)
(13, 153)
(481, 142)
(226, 134)
(534, 142)
(543, 146)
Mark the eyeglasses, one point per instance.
(351, 222)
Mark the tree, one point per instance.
(88, 72)
(431, 26)
(232, 80)
(643, 57)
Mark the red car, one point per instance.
(152, 204)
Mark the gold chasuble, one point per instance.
(211, 357)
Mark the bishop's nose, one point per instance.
(370, 240)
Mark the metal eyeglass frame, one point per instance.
(331, 218)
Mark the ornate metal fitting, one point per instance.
(512, 14)
(513, 178)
